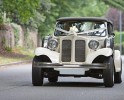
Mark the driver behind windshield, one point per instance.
(79, 27)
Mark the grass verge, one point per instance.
(15, 55)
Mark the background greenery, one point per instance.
(117, 41)
(41, 15)
(117, 37)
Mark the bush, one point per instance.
(8, 49)
(117, 37)
(117, 41)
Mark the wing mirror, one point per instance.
(113, 34)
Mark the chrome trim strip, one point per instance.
(56, 65)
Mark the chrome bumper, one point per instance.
(56, 65)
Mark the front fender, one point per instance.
(117, 61)
(104, 51)
(54, 56)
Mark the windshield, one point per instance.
(64, 28)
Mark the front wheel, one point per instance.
(108, 73)
(37, 74)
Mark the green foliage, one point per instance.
(26, 33)
(115, 3)
(28, 42)
(16, 33)
(37, 20)
(66, 8)
(90, 8)
(42, 14)
(3, 42)
(117, 41)
(19, 10)
(117, 37)
(1, 19)
(9, 49)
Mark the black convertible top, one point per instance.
(84, 19)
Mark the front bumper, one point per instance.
(56, 65)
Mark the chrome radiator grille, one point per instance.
(68, 48)
(79, 50)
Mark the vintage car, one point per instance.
(84, 45)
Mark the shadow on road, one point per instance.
(74, 84)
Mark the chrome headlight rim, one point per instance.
(52, 44)
(93, 44)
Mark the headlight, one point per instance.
(93, 44)
(52, 44)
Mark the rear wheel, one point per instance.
(37, 73)
(108, 73)
(117, 75)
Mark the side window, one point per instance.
(111, 34)
(110, 29)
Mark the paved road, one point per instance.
(15, 84)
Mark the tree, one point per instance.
(113, 14)
(115, 3)
(19, 10)
(42, 14)
(93, 8)
(66, 8)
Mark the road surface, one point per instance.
(15, 84)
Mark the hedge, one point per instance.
(117, 41)
(117, 37)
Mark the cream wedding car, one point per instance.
(84, 45)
